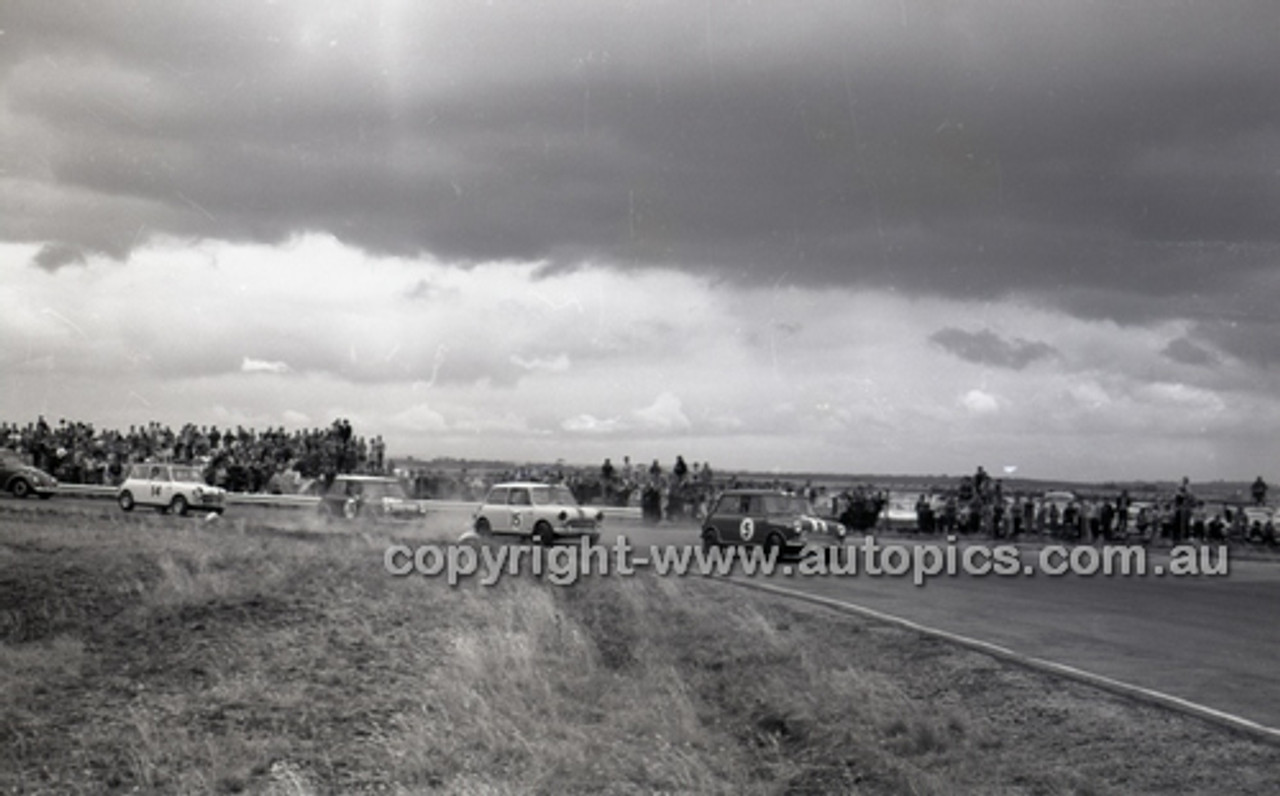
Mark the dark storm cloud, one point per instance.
(1107, 158)
(988, 348)
(53, 256)
(1256, 342)
(1185, 352)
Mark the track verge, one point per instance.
(1247, 727)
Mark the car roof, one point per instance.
(757, 491)
(379, 479)
(139, 466)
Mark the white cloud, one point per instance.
(590, 424)
(557, 364)
(250, 365)
(852, 383)
(419, 417)
(1090, 395)
(1182, 396)
(504, 424)
(979, 402)
(666, 413)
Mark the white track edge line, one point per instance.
(1140, 693)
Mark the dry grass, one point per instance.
(157, 655)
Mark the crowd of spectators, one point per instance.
(980, 506)
(281, 461)
(240, 459)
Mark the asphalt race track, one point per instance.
(1214, 641)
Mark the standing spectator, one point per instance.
(1088, 520)
(950, 513)
(981, 480)
(1122, 513)
(1071, 519)
(1106, 518)
(1259, 490)
(924, 514)
(1182, 505)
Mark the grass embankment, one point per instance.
(147, 654)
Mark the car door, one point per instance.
(494, 510)
(155, 480)
(520, 511)
(752, 526)
(732, 519)
(720, 518)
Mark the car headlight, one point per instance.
(563, 515)
(197, 493)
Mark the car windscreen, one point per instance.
(380, 489)
(553, 496)
(190, 474)
(785, 504)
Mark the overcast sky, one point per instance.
(908, 237)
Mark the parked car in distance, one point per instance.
(377, 497)
(1058, 498)
(900, 511)
(545, 513)
(23, 480)
(764, 517)
(176, 488)
(1141, 516)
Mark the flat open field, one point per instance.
(153, 654)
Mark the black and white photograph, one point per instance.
(639, 397)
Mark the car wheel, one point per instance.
(179, 505)
(483, 528)
(126, 501)
(20, 488)
(351, 509)
(772, 545)
(709, 539)
(542, 533)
